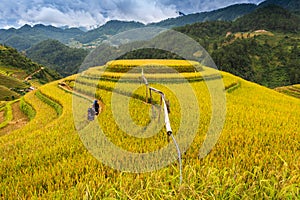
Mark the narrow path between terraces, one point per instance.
(1, 116)
(67, 88)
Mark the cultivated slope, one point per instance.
(17, 73)
(257, 155)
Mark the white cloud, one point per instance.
(96, 12)
(143, 11)
(192, 6)
(53, 16)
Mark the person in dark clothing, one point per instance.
(96, 106)
(91, 113)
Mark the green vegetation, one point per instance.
(11, 88)
(256, 156)
(10, 57)
(11, 82)
(55, 55)
(291, 5)
(45, 75)
(11, 61)
(8, 71)
(271, 64)
(57, 107)
(26, 37)
(8, 115)
(17, 73)
(267, 58)
(233, 86)
(27, 109)
(271, 17)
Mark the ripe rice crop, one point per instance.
(154, 65)
(257, 155)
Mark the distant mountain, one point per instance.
(27, 36)
(291, 5)
(57, 56)
(229, 13)
(269, 17)
(110, 28)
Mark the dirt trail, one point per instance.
(19, 120)
(37, 71)
(68, 88)
(1, 116)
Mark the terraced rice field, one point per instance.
(293, 90)
(257, 155)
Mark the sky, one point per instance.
(93, 13)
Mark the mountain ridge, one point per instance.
(224, 14)
(27, 36)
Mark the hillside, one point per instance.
(247, 49)
(18, 73)
(57, 56)
(10, 57)
(11, 88)
(292, 5)
(270, 17)
(268, 60)
(229, 13)
(6, 94)
(255, 157)
(13, 62)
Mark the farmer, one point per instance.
(91, 113)
(96, 106)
